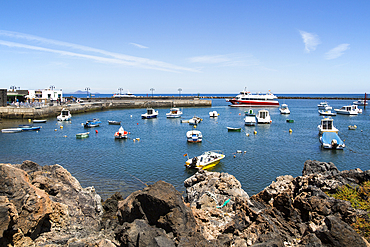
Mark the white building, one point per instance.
(45, 94)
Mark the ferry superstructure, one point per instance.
(246, 98)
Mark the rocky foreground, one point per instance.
(46, 206)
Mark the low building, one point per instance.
(45, 95)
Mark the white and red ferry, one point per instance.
(246, 98)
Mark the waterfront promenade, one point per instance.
(100, 104)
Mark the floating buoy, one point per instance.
(247, 134)
(55, 130)
(255, 132)
(137, 139)
(61, 127)
(130, 115)
(240, 114)
(134, 140)
(96, 131)
(234, 156)
(137, 123)
(238, 151)
(245, 151)
(290, 130)
(64, 136)
(29, 120)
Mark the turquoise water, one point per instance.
(124, 165)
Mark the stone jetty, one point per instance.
(101, 104)
(46, 206)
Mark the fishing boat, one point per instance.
(92, 123)
(194, 135)
(234, 129)
(331, 140)
(284, 109)
(39, 120)
(82, 135)
(327, 125)
(327, 113)
(195, 120)
(290, 121)
(245, 98)
(150, 113)
(213, 114)
(11, 130)
(352, 127)
(206, 160)
(65, 115)
(250, 120)
(121, 134)
(324, 106)
(263, 117)
(112, 122)
(349, 110)
(360, 102)
(29, 127)
(174, 113)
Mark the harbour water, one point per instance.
(126, 165)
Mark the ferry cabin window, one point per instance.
(325, 125)
(330, 125)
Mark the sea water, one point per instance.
(156, 148)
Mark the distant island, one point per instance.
(81, 92)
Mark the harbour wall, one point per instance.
(100, 104)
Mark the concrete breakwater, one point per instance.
(100, 104)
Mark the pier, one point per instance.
(100, 104)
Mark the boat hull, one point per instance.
(249, 103)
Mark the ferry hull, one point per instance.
(250, 103)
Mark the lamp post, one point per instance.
(52, 87)
(152, 89)
(179, 91)
(13, 88)
(87, 92)
(120, 90)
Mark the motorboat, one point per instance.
(194, 135)
(82, 135)
(290, 120)
(324, 106)
(174, 113)
(92, 123)
(126, 95)
(150, 113)
(206, 160)
(193, 121)
(284, 109)
(234, 129)
(263, 117)
(39, 120)
(250, 120)
(327, 125)
(360, 102)
(213, 114)
(112, 122)
(29, 127)
(327, 113)
(331, 140)
(250, 112)
(121, 134)
(65, 115)
(352, 127)
(245, 98)
(349, 110)
(11, 130)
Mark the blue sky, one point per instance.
(198, 46)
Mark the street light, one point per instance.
(179, 91)
(87, 92)
(120, 90)
(52, 87)
(13, 88)
(152, 89)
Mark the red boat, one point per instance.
(246, 98)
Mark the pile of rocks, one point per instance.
(46, 206)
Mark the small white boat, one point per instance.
(174, 113)
(324, 106)
(284, 109)
(126, 95)
(213, 114)
(352, 127)
(65, 115)
(250, 120)
(121, 134)
(82, 135)
(263, 117)
(360, 102)
(194, 136)
(206, 160)
(327, 113)
(349, 110)
(11, 130)
(234, 129)
(327, 125)
(150, 113)
(39, 120)
(331, 140)
(195, 120)
(112, 122)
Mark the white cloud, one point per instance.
(210, 59)
(310, 41)
(139, 46)
(109, 57)
(337, 51)
(230, 60)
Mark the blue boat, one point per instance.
(25, 127)
(331, 140)
(92, 123)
